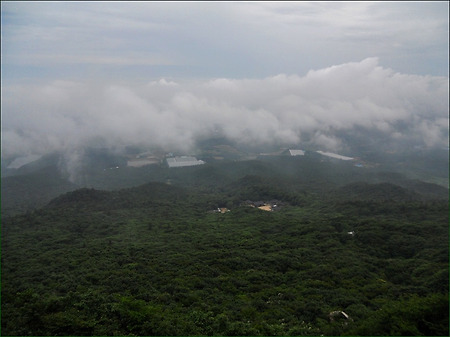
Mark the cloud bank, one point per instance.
(315, 109)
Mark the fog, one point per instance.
(322, 108)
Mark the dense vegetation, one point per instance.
(155, 260)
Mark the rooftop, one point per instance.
(183, 161)
(334, 155)
(296, 152)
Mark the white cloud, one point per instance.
(278, 109)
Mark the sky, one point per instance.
(169, 73)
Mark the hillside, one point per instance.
(26, 192)
(156, 259)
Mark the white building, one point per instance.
(334, 155)
(296, 152)
(183, 161)
(142, 162)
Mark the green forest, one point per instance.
(346, 251)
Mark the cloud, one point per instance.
(218, 39)
(315, 109)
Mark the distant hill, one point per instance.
(35, 184)
(26, 192)
(137, 197)
(382, 192)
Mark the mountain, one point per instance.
(159, 259)
(35, 184)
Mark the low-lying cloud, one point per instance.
(284, 109)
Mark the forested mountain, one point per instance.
(344, 252)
